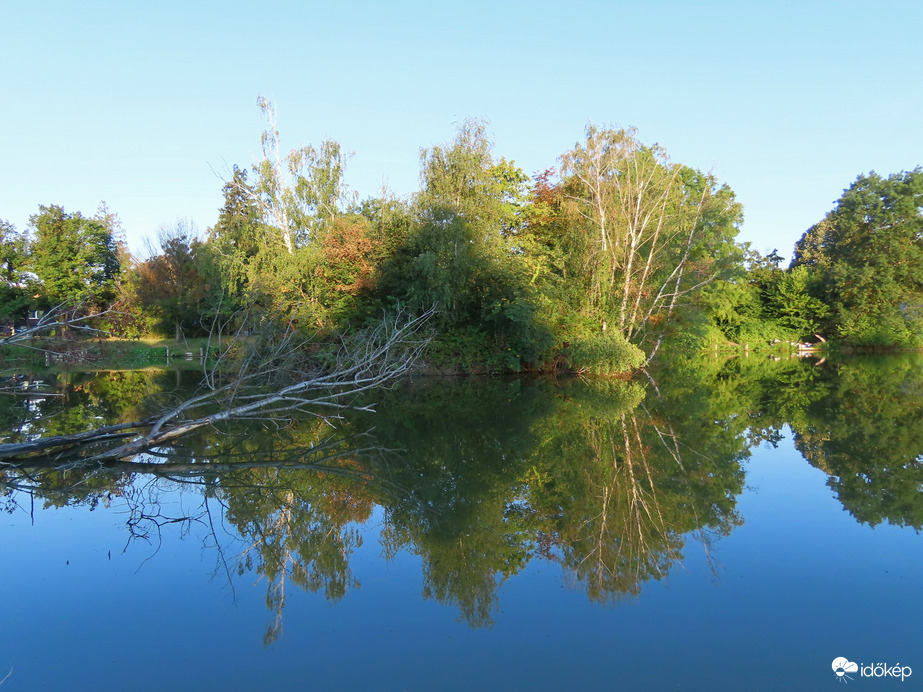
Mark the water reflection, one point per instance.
(624, 486)
(613, 480)
(867, 435)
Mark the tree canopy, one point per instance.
(868, 255)
(76, 258)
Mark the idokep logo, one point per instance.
(842, 667)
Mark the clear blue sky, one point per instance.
(146, 105)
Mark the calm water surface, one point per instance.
(731, 525)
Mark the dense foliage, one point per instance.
(867, 257)
(856, 276)
(594, 267)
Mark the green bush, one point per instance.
(604, 354)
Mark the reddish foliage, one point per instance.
(546, 196)
(349, 252)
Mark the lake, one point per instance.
(723, 524)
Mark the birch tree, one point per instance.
(299, 191)
(656, 230)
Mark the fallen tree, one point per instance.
(275, 377)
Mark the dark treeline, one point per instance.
(596, 264)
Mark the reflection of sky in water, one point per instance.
(797, 584)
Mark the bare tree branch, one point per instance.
(59, 317)
(277, 381)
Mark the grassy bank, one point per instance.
(118, 354)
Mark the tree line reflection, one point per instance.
(613, 480)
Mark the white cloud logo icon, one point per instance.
(841, 666)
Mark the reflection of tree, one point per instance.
(628, 541)
(857, 419)
(128, 395)
(295, 497)
(755, 395)
(624, 486)
(67, 403)
(611, 479)
(588, 474)
(293, 500)
(867, 434)
(303, 529)
(465, 445)
(608, 478)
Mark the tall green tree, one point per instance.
(270, 236)
(868, 254)
(238, 237)
(462, 179)
(76, 258)
(463, 253)
(238, 226)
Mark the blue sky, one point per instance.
(147, 106)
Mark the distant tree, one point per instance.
(765, 302)
(111, 221)
(868, 256)
(735, 308)
(14, 289)
(11, 250)
(238, 225)
(792, 303)
(175, 285)
(238, 237)
(75, 258)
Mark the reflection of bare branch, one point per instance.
(707, 541)
(275, 596)
(218, 546)
(320, 457)
(671, 443)
(293, 537)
